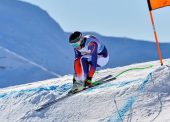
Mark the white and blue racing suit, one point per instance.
(93, 54)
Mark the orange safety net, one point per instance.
(155, 4)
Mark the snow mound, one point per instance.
(138, 95)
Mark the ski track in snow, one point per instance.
(128, 105)
(127, 99)
(66, 87)
(62, 88)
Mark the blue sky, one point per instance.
(118, 18)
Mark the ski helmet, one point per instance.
(75, 39)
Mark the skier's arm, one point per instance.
(93, 47)
(76, 62)
(77, 54)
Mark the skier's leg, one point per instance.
(81, 68)
(101, 61)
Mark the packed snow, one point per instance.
(33, 45)
(136, 95)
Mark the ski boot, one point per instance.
(88, 83)
(77, 87)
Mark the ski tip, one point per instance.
(38, 109)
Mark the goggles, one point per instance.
(77, 44)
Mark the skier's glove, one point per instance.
(88, 81)
(89, 78)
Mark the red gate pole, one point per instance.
(156, 38)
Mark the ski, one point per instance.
(46, 105)
(96, 83)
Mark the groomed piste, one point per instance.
(139, 93)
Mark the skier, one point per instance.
(89, 54)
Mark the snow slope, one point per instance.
(29, 32)
(19, 69)
(140, 95)
(32, 37)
